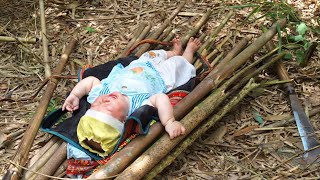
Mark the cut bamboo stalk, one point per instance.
(157, 33)
(62, 169)
(43, 150)
(199, 131)
(217, 59)
(196, 28)
(215, 78)
(164, 145)
(44, 40)
(169, 38)
(53, 164)
(212, 53)
(139, 30)
(43, 159)
(12, 39)
(236, 50)
(132, 150)
(21, 157)
(165, 33)
(215, 32)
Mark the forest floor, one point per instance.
(235, 148)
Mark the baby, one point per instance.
(143, 81)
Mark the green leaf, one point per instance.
(300, 56)
(302, 28)
(288, 56)
(90, 29)
(306, 45)
(298, 38)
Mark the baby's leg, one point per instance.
(177, 48)
(192, 46)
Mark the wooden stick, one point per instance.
(54, 163)
(199, 131)
(196, 28)
(157, 33)
(24, 40)
(139, 30)
(236, 50)
(62, 168)
(215, 31)
(43, 150)
(21, 157)
(43, 160)
(44, 40)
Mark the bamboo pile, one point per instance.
(195, 111)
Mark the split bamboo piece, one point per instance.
(21, 157)
(54, 163)
(44, 40)
(43, 159)
(157, 33)
(12, 39)
(139, 30)
(164, 145)
(204, 127)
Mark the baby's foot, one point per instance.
(177, 46)
(192, 46)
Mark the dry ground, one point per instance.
(223, 152)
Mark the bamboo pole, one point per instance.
(54, 163)
(165, 33)
(21, 157)
(62, 169)
(43, 150)
(196, 28)
(12, 39)
(164, 145)
(139, 30)
(236, 50)
(199, 131)
(165, 24)
(44, 40)
(215, 32)
(43, 159)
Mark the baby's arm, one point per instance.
(82, 88)
(162, 103)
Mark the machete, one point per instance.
(306, 132)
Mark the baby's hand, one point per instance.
(174, 129)
(71, 103)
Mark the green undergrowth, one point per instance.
(293, 37)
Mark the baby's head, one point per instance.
(100, 128)
(114, 104)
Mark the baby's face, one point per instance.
(114, 104)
